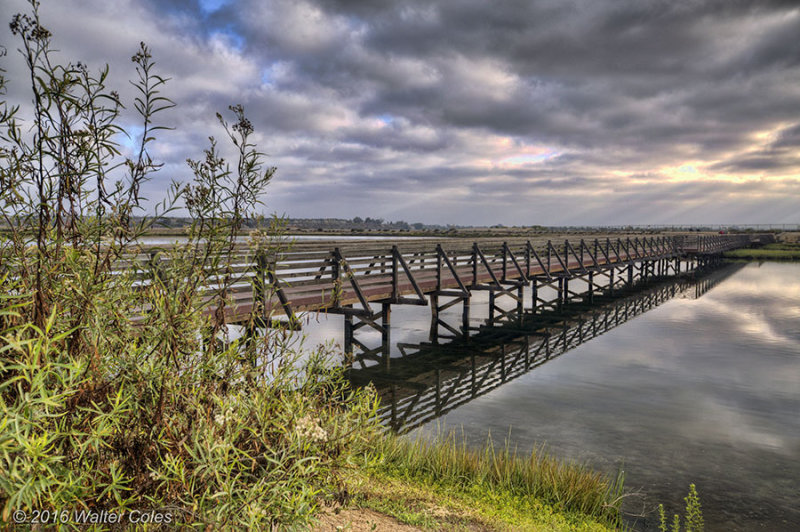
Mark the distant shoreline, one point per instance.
(781, 251)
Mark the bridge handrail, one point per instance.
(374, 269)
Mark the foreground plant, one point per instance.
(119, 389)
(693, 516)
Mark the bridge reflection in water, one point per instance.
(432, 378)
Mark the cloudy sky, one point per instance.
(526, 112)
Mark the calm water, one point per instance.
(702, 390)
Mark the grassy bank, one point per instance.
(442, 484)
(777, 251)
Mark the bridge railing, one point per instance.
(707, 244)
(333, 275)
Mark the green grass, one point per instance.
(777, 251)
(445, 484)
(442, 506)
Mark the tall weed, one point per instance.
(692, 518)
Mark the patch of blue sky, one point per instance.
(130, 142)
(231, 37)
(210, 6)
(387, 119)
(268, 75)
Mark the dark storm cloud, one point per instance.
(651, 73)
(780, 155)
(467, 111)
(788, 138)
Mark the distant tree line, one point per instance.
(319, 224)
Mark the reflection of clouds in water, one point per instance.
(712, 421)
(791, 312)
(760, 326)
(739, 367)
(755, 301)
(772, 288)
(775, 281)
(696, 390)
(707, 342)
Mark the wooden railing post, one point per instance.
(505, 259)
(336, 273)
(395, 274)
(474, 264)
(527, 257)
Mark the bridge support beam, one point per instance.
(586, 295)
(455, 297)
(540, 303)
(611, 280)
(498, 313)
(355, 350)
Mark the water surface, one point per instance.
(698, 390)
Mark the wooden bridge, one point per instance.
(353, 277)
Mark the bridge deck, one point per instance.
(346, 276)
